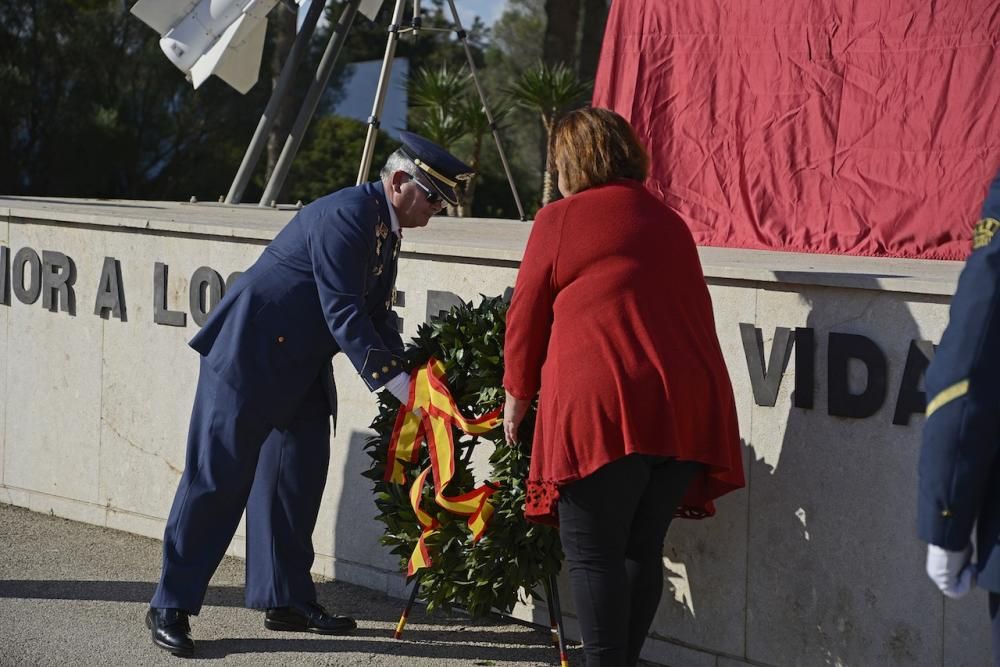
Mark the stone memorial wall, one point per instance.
(815, 562)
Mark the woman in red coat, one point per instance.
(611, 325)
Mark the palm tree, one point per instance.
(549, 90)
(437, 87)
(446, 109)
(440, 126)
(470, 111)
(432, 94)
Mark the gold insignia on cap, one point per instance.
(450, 182)
(983, 232)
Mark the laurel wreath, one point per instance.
(514, 555)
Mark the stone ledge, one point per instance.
(490, 239)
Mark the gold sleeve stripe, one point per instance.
(983, 232)
(948, 395)
(435, 173)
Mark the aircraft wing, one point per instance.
(370, 8)
(162, 15)
(235, 57)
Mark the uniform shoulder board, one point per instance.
(983, 232)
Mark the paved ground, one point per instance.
(75, 594)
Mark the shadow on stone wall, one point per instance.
(356, 535)
(834, 568)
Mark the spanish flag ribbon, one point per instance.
(429, 393)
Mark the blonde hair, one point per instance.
(594, 146)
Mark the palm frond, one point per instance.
(548, 89)
(470, 110)
(439, 125)
(437, 87)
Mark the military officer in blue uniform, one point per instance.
(960, 458)
(260, 428)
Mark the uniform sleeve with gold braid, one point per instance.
(961, 437)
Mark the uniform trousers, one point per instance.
(236, 459)
(612, 524)
(995, 622)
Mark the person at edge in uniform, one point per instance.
(959, 471)
(612, 321)
(260, 428)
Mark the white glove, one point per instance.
(951, 571)
(399, 386)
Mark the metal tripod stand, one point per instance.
(309, 104)
(395, 30)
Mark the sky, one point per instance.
(488, 10)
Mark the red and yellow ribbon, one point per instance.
(429, 393)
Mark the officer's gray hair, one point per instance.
(398, 161)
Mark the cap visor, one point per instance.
(447, 193)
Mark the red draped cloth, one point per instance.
(836, 126)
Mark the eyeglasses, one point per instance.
(432, 197)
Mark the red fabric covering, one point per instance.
(611, 317)
(862, 128)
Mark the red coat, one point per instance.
(611, 318)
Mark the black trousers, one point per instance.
(995, 619)
(612, 524)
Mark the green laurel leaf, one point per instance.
(514, 555)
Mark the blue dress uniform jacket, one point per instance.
(960, 458)
(259, 437)
(323, 285)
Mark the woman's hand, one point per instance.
(513, 412)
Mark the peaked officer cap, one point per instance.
(442, 169)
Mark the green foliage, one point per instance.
(330, 157)
(437, 86)
(514, 554)
(446, 108)
(440, 126)
(459, 123)
(515, 44)
(91, 107)
(549, 90)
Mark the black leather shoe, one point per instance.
(170, 630)
(307, 617)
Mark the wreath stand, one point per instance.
(552, 603)
(550, 585)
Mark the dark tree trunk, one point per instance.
(595, 16)
(282, 22)
(561, 31)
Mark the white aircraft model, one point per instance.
(206, 37)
